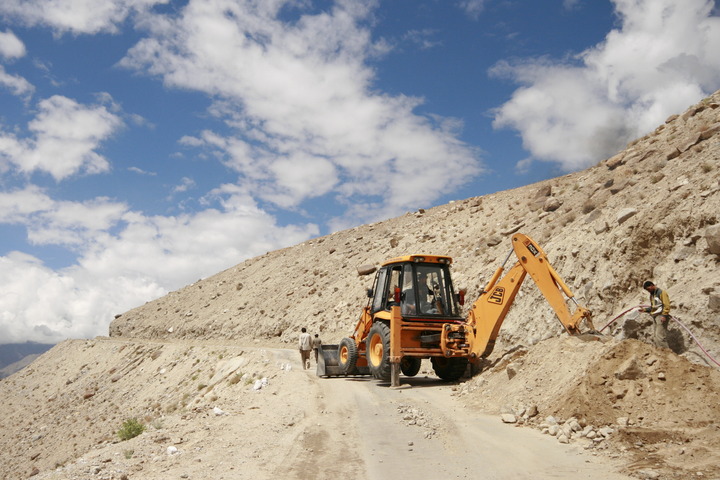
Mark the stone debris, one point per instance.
(260, 383)
(413, 416)
(572, 429)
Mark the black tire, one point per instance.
(347, 356)
(449, 369)
(410, 366)
(378, 351)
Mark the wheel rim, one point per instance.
(376, 350)
(343, 354)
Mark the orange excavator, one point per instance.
(414, 313)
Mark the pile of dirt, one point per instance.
(653, 400)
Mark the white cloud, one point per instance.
(75, 223)
(11, 46)
(473, 7)
(140, 171)
(186, 184)
(75, 16)
(42, 305)
(300, 95)
(300, 176)
(16, 84)
(146, 258)
(18, 205)
(661, 59)
(66, 136)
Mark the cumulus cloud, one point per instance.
(75, 16)
(146, 257)
(11, 46)
(662, 58)
(42, 305)
(65, 138)
(299, 95)
(16, 205)
(16, 84)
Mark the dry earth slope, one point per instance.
(649, 212)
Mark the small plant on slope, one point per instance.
(131, 428)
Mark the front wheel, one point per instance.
(449, 369)
(410, 366)
(378, 351)
(347, 356)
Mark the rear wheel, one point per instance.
(378, 351)
(347, 356)
(449, 369)
(410, 366)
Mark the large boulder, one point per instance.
(712, 236)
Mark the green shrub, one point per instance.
(131, 428)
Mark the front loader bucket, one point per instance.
(327, 364)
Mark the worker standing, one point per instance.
(659, 309)
(305, 346)
(316, 344)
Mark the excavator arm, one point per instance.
(489, 310)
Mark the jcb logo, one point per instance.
(533, 249)
(497, 296)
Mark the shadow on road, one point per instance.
(405, 382)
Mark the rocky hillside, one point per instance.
(649, 212)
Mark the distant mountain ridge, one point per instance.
(13, 354)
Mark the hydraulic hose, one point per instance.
(641, 307)
(696, 341)
(637, 307)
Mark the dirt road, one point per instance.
(358, 427)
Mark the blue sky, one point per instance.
(145, 144)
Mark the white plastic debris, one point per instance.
(218, 411)
(172, 450)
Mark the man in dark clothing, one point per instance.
(317, 345)
(659, 309)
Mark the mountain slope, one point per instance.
(649, 212)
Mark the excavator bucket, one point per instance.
(327, 365)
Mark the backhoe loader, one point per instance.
(414, 313)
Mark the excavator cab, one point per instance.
(420, 285)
